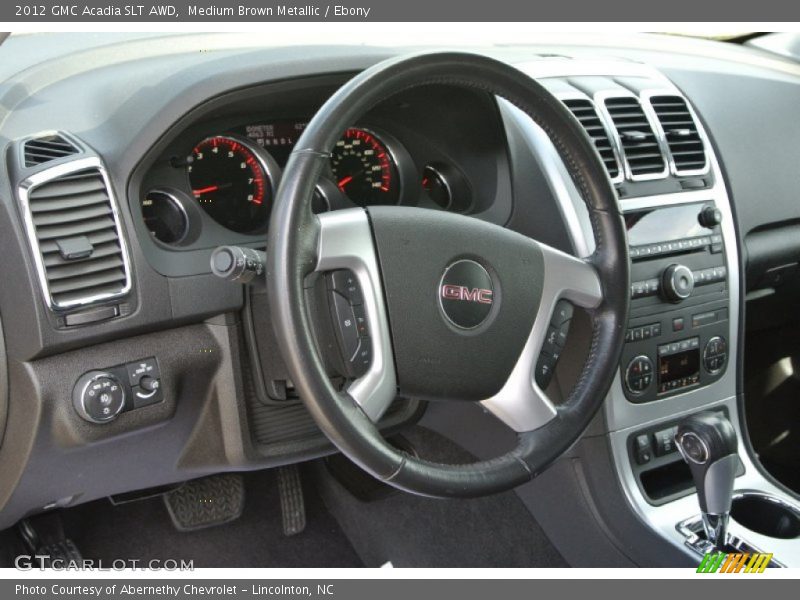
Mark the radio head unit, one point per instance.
(679, 300)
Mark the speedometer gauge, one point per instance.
(231, 182)
(364, 169)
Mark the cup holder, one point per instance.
(766, 514)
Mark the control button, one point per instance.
(149, 384)
(562, 313)
(715, 355)
(638, 334)
(665, 441)
(716, 248)
(345, 325)
(361, 320)
(705, 318)
(629, 335)
(677, 282)
(642, 449)
(140, 368)
(345, 282)
(563, 331)
(677, 324)
(544, 370)
(98, 397)
(362, 358)
(709, 217)
(639, 374)
(716, 238)
(551, 345)
(656, 327)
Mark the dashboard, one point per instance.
(173, 153)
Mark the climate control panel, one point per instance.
(671, 353)
(99, 396)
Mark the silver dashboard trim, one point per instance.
(647, 102)
(23, 195)
(600, 99)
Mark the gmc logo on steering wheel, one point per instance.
(460, 292)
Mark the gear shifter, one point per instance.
(707, 442)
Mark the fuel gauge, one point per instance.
(446, 187)
(437, 187)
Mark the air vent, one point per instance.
(76, 234)
(680, 129)
(44, 149)
(639, 142)
(584, 111)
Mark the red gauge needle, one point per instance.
(205, 190)
(344, 181)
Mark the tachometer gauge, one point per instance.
(231, 181)
(364, 169)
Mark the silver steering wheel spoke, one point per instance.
(345, 242)
(521, 403)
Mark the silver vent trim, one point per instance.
(47, 147)
(647, 99)
(24, 191)
(600, 100)
(568, 100)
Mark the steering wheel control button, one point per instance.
(544, 370)
(715, 355)
(345, 282)
(639, 375)
(350, 321)
(466, 294)
(99, 397)
(562, 313)
(363, 357)
(345, 321)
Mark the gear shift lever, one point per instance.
(707, 442)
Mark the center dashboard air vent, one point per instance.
(75, 235)
(40, 150)
(584, 111)
(680, 130)
(637, 138)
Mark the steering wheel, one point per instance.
(457, 309)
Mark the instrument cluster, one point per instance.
(232, 178)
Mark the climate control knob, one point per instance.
(639, 374)
(677, 283)
(715, 355)
(98, 397)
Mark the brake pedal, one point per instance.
(293, 506)
(206, 502)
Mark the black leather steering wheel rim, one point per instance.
(291, 257)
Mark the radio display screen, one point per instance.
(681, 367)
(664, 224)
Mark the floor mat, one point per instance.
(412, 531)
(143, 530)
